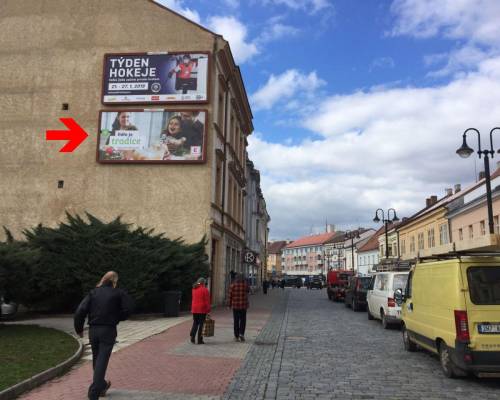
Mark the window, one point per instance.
(421, 241)
(443, 234)
(430, 238)
(460, 234)
(496, 224)
(412, 244)
(220, 111)
(409, 286)
(403, 247)
(471, 232)
(482, 227)
(484, 285)
(218, 184)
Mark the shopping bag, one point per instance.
(208, 327)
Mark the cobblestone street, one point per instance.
(316, 349)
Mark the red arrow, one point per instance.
(75, 136)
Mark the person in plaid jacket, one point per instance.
(238, 301)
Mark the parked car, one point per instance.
(7, 308)
(355, 292)
(336, 282)
(380, 297)
(452, 308)
(291, 281)
(315, 282)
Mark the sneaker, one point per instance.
(103, 393)
(242, 338)
(200, 341)
(192, 339)
(236, 339)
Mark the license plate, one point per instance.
(488, 328)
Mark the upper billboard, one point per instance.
(155, 78)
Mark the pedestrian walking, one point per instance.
(238, 301)
(200, 307)
(282, 284)
(265, 286)
(105, 306)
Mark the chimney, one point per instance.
(458, 188)
(449, 191)
(434, 199)
(482, 175)
(427, 202)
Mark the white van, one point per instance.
(380, 297)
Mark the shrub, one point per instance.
(62, 264)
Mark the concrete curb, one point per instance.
(37, 380)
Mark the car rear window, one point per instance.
(365, 282)
(399, 281)
(484, 285)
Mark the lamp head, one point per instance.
(376, 219)
(465, 151)
(395, 219)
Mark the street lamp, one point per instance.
(386, 223)
(352, 235)
(465, 151)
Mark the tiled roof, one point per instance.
(372, 243)
(447, 199)
(275, 247)
(312, 240)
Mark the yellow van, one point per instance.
(452, 308)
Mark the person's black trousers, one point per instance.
(102, 339)
(240, 322)
(198, 321)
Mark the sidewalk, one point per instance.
(167, 365)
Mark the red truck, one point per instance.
(337, 281)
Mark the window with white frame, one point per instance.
(443, 234)
(496, 224)
(482, 227)
(430, 238)
(421, 242)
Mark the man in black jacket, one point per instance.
(105, 307)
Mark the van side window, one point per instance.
(408, 286)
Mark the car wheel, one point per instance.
(408, 344)
(354, 305)
(450, 370)
(385, 323)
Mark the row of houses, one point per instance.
(455, 222)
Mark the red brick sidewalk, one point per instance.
(168, 362)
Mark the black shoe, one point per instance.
(200, 341)
(103, 393)
(192, 340)
(236, 338)
(242, 338)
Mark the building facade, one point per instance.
(369, 254)
(274, 254)
(51, 73)
(257, 231)
(306, 256)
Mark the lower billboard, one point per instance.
(152, 136)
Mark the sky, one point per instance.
(360, 104)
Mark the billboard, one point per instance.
(152, 136)
(146, 78)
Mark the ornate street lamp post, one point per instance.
(352, 235)
(386, 223)
(465, 151)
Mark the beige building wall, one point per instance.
(470, 229)
(53, 54)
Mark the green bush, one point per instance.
(55, 267)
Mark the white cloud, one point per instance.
(389, 148)
(283, 87)
(473, 22)
(276, 30)
(178, 6)
(310, 6)
(382, 62)
(232, 3)
(235, 32)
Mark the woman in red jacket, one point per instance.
(200, 307)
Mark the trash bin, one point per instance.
(172, 303)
